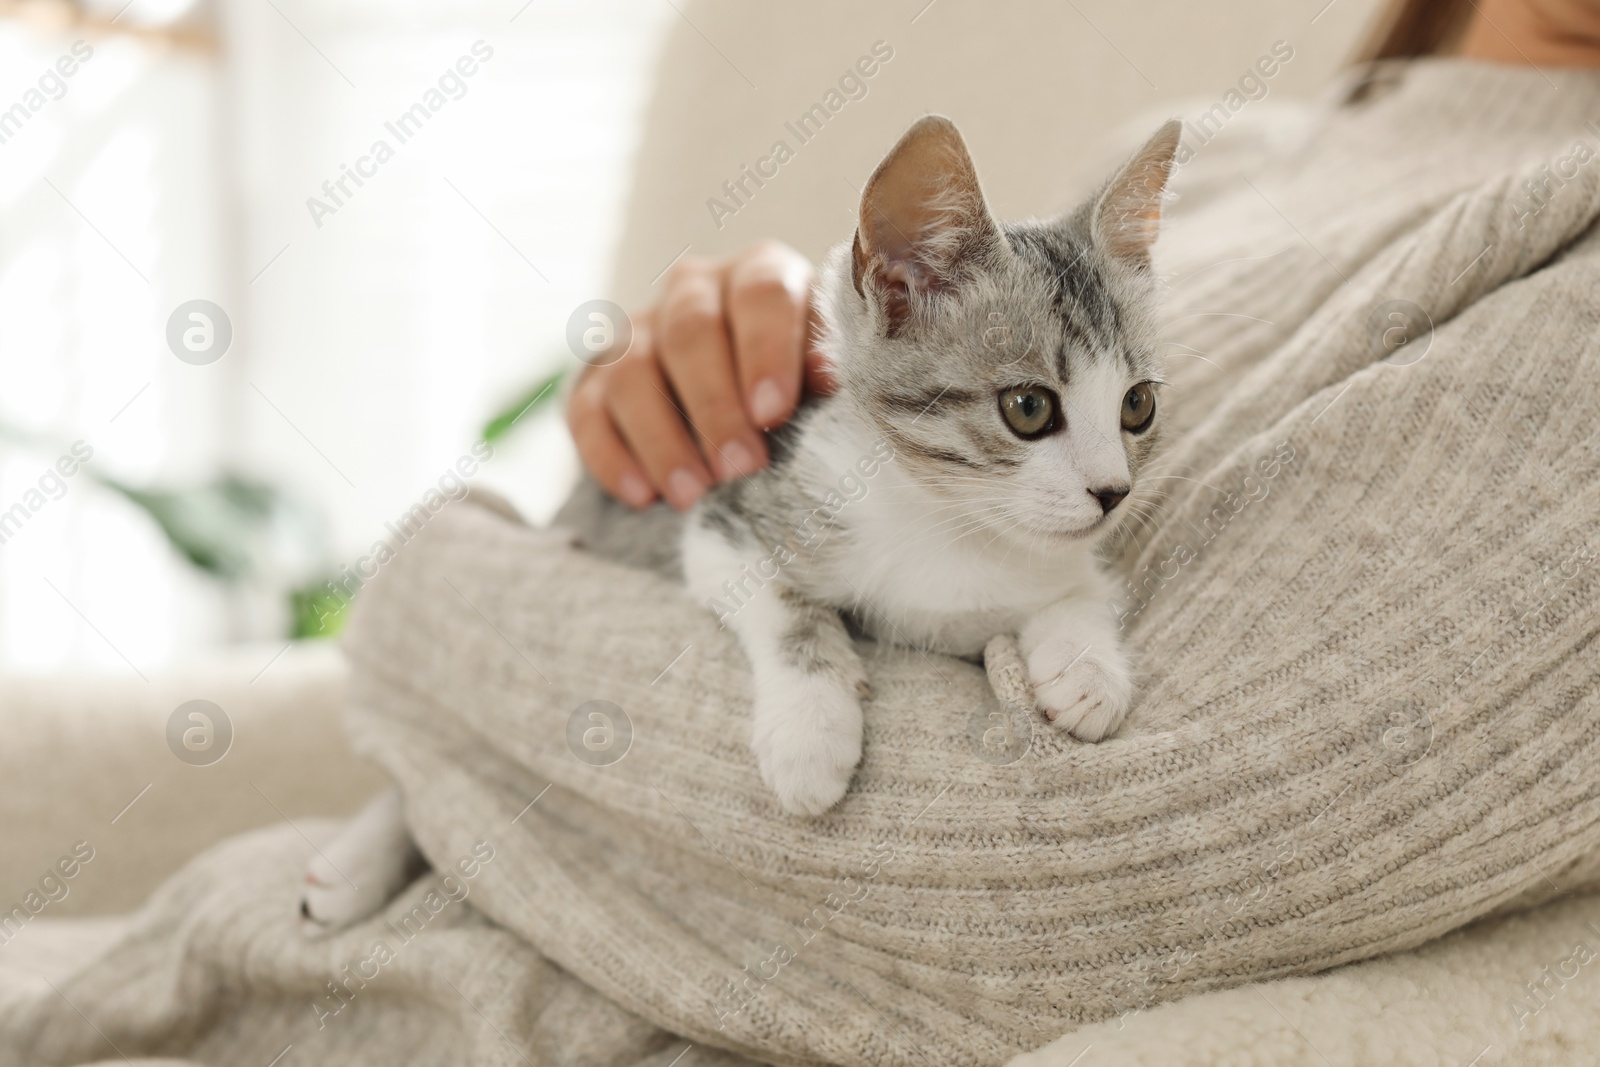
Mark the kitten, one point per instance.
(996, 400)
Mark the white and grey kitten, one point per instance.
(995, 405)
(996, 401)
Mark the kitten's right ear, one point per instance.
(1128, 217)
(921, 212)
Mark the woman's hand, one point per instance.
(723, 356)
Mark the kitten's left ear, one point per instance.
(922, 214)
(1128, 216)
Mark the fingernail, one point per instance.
(769, 402)
(636, 491)
(684, 487)
(737, 459)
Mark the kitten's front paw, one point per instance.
(807, 741)
(1082, 692)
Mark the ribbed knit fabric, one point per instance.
(1362, 601)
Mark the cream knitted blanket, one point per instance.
(1362, 602)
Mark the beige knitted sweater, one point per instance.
(1363, 602)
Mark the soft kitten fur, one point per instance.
(905, 500)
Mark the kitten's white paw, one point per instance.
(807, 741)
(1081, 692)
(329, 903)
(359, 871)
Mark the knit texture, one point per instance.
(1360, 597)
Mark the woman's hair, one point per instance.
(1408, 28)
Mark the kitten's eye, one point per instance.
(1138, 408)
(1030, 411)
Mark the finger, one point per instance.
(601, 448)
(768, 301)
(697, 360)
(645, 415)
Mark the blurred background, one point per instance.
(380, 327)
(370, 346)
(275, 272)
(372, 314)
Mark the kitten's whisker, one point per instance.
(1223, 262)
(1143, 513)
(1193, 353)
(966, 521)
(1218, 314)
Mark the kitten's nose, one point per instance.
(1109, 497)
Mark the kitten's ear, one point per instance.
(1128, 216)
(921, 212)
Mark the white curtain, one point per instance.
(110, 215)
(373, 333)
